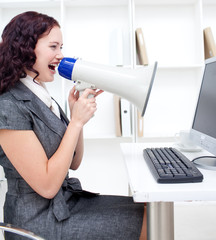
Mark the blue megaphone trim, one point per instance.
(66, 66)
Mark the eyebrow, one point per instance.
(56, 43)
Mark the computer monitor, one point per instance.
(203, 131)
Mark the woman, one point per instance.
(38, 144)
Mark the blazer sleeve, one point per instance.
(13, 117)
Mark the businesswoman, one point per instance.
(38, 144)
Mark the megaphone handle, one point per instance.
(89, 96)
(81, 86)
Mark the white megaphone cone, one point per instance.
(132, 84)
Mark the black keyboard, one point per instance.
(168, 165)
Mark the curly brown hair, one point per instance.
(19, 39)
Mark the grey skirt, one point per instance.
(73, 214)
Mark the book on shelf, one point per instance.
(126, 121)
(143, 60)
(209, 43)
(117, 113)
(141, 47)
(140, 124)
(123, 118)
(116, 44)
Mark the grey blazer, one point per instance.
(23, 110)
(73, 214)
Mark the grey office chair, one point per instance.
(19, 231)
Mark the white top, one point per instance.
(145, 188)
(40, 90)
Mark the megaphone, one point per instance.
(132, 84)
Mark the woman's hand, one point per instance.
(83, 108)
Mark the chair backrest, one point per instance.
(3, 190)
(19, 231)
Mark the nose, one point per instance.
(59, 56)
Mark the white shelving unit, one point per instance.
(101, 31)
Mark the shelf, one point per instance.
(29, 3)
(208, 2)
(180, 67)
(74, 3)
(95, 3)
(166, 2)
(86, 3)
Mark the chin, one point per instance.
(50, 79)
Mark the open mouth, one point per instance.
(52, 66)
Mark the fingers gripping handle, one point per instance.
(81, 86)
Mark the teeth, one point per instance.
(54, 65)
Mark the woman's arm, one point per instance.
(78, 154)
(73, 96)
(79, 150)
(27, 155)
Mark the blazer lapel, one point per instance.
(62, 114)
(39, 108)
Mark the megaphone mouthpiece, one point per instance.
(132, 84)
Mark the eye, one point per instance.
(53, 46)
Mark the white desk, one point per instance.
(160, 197)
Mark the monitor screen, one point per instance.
(203, 132)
